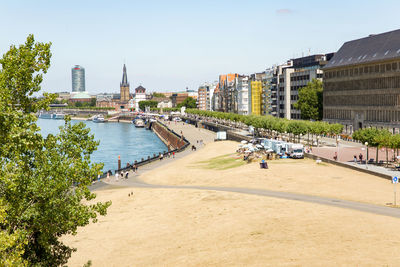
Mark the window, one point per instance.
(388, 67)
(394, 66)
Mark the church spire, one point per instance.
(124, 78)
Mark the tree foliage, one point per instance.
(147, 103)
(43, 180)
(189, 102)
(271, 123)
(155, 94)
(310, 101)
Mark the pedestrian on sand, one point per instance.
(173, 154)
(116, 176)
(355, 159)
(108, 176)
(161, 157)
(126, 175)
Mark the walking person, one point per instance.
(173, 154)
(355, 159)
(108, 176)
(126, 175)
(335, 156)
(360, 157)
(116, 176)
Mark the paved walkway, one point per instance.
(340, 203)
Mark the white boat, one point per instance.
(59, 116)
(98, 119)
(139, 123)
(44, 115)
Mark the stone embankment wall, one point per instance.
(171, 139)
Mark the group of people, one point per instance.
(360, 158)
(168, 155)
(123, 174)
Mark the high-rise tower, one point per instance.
(78, 79)
(124, 87)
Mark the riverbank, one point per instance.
(190, 227)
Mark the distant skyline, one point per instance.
(171, 45)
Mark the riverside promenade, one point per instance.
(198, 137)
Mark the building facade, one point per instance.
(287, 79)
(227, 98)
(362, 83)
(140, 95)
(78, 79)
(178, 98)
(242, 88)
(202, 97)
(255, 97)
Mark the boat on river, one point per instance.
(98, 119)
(45, 115)
(58, 116)
(139, 123)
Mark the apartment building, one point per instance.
(204, 96)
(242, 90)
(289, 78)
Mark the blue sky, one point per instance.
(171, 45)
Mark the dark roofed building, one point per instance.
(362, 83)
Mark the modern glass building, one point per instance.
(78, 79)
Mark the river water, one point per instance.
(116, 139)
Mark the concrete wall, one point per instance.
(170, 139)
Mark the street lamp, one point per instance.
(366, 161)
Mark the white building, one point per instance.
(242, 88)
(164, 104)
(140, 95)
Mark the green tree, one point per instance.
(93, 102)
(78, 104)
(189, 102)
(43, 180)
(158, 95)
(147, 103)
(310, 101)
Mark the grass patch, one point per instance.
(223, 162)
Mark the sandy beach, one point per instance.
(188, 227)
